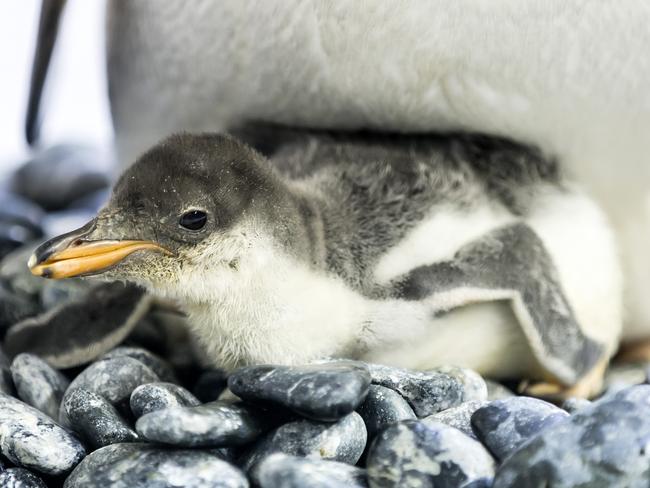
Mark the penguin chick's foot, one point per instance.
(634, 352)
(587, 387)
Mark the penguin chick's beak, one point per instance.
(70, 255)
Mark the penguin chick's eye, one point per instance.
(193, 220)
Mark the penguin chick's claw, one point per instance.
(587, 387)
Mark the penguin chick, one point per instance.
(411, 250)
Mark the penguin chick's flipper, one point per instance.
(511, 263)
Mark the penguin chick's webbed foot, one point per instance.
(511, 263)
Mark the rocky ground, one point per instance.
(100, 387)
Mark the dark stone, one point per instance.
(147, 466)
(215, 424)
(32, 440)
(426, 392)
(158, 396)
(38, 384)
(62, 335)
(157, 364)
(20, 478)
(95, 419)
(383, 407)
(504, 425)
(210, 385)
(6, 381)
(342, 441)
(59, 175)
(458, 417)
(282, 471)
(57, 292)
(604, 445)
(414, 453)
(15, 307)
(20, 222)
(326, 391)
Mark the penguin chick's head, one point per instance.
(193, 204)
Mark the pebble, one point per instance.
(216, 424)
(504, 425)
(114, 379)
(20, 478)
(38, 384)
(157, 364)
(326, 391)
(426, 392)
(15, 307)
(496, 391)
(57, 292)
(383, 407)
(210, 385)
(413, 453)
(96, 420)
(602, 445)
(20, 222)
(16, 275)
(474, 386)
(30, 439)
(282, 471)
(342, 441)
(62, 336)
(147, 466)
(157, 396)
(572, 405)
(459, 417)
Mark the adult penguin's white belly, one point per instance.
(568, 76)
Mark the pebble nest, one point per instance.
(100, 387)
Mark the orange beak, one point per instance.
(64, 257)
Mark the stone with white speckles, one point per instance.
(157, 396)
(383, 407)
(496, 391)
(325, 391)
(30, 439)
(283, 471)
(96, 420)
(342, 441)
(458, 417)
(147, 466)
(215, 424)
(20, 478)
(474, 386)
(504, 425)
(417, 454)
(427, 392)
(157, 364)
(38, 384)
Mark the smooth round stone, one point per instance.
(573, 405)
(383, 407)
(158, 396)
(147, 466)
(496, 391)
(30, 439)
(210, 385)
(600, 446)
(20, 478)
(157, 364)
(15, 307)
(216, 424)
(417, 454)
(325, 391)
(38, 384)
(427, 392)
(459, 417)
(504, 425)
(56, 292)
(114, 379)
(20, 222)
(95, 419)
(342, 441)
(282, 471)
(474, 386)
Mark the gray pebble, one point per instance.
(417, 454)
(474, 386)
(147, 466)
(216, 424)
(573, 405)
(282, 471)
(15, 273)
(96, 420)
(38, 384)
(32, 440)
(459, 417)
(342, 441)
(20, 478)
(504, 425)
(496, 391)
(56, 292)
(157, 396)
(15, 307)
(326, 391)
(157, 364)
(426, 392)
(383, 407)
(604, 445)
